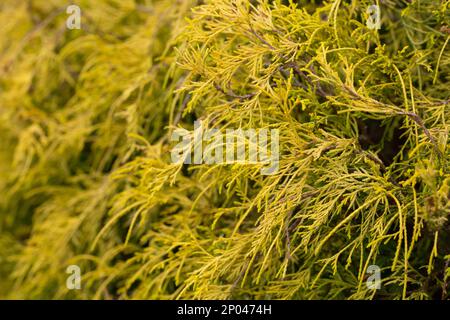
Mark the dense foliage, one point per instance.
(86, 176)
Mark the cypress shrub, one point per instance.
(86, 176)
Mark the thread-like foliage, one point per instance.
(86, 176)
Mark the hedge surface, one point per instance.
(86, 176)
